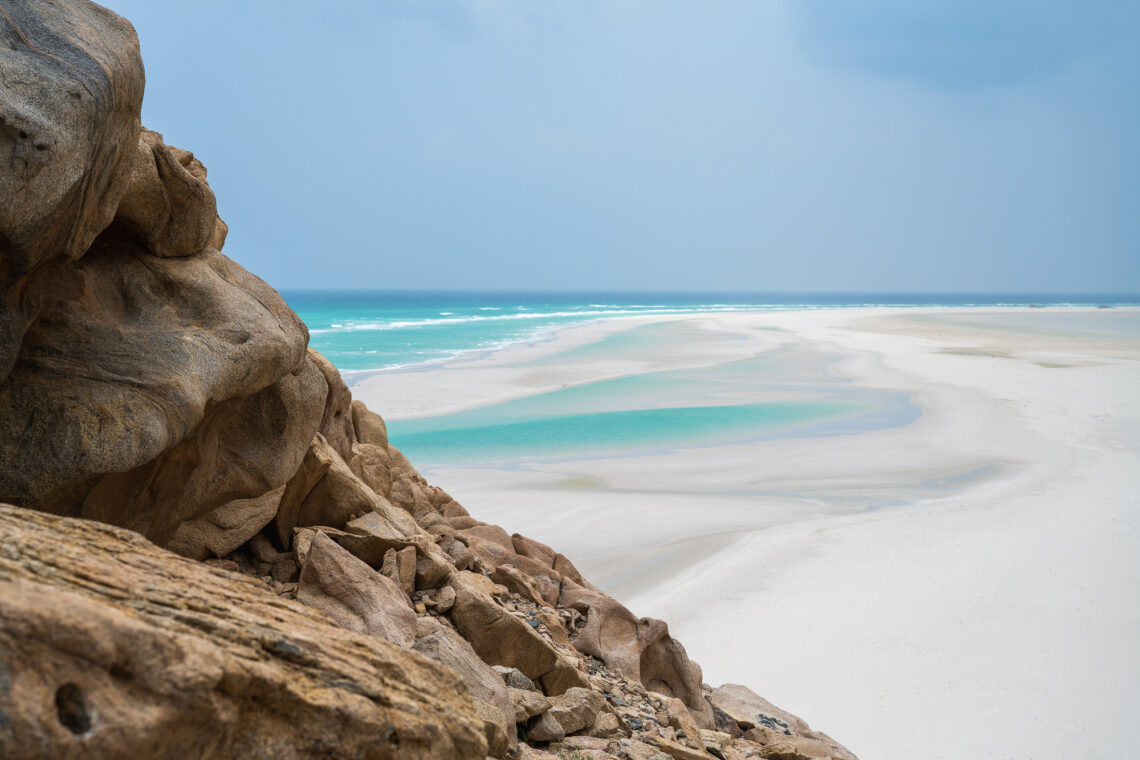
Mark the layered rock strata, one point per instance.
(315, 596)
(113, 647)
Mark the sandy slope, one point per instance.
(996, 615)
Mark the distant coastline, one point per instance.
(364, 332)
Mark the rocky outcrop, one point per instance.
(763, 722)
(150, 391)
(223, 530)
(169, 207)
(69, 122)
(148, 379)
(149, 382)
(354, 595)
(112, 647)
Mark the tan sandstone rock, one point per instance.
(676, 750)
(69, 125)
(112, 647)
(640, 648)
(499, 637)
(325, 491)
(447, 647)
(211, 371)
(575, 710)
(372, 464)
(517, 583)
(753, 713)
(370, 537)
(353, 595)
(148, 381)
(527, 703)
(501, 740)
(608, 726)
(632, 749)
(799, 748)
(168, 206)
(369, 426)
(336, 421)
(681, 720)
(138, 390)
(545, 728)
(217, 533)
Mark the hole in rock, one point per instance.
(72, 709)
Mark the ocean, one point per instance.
(363, 331)
(775, 395)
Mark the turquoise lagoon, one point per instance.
(727, 403)
(771, 395)
(591, 420)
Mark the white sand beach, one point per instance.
(965, 585)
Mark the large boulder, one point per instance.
(325, 491)
(168, 206)
(112, 647)
(639, 648)
(217, 533)
(336, 421)
(150, 391)
(763, 722)
(145, 379)
(368, 426)
(502, 638)
(353, 595)
(69, 123)
(499, 637)
(447, 647)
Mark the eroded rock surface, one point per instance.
(354, 595)
(148, 379)
(112, 647)
(69, 123)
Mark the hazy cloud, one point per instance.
(962, 43)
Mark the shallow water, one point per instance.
(373, 330)
(731, 402)
(447, 440)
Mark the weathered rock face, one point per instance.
(142, 384)
(168, 206)
(639, 647)
(217, 533)
(112, 647)
(785, 734)
(149, 382)
(139, 389)
(69, 122)
(354, 595)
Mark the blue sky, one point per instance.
(656, 144)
